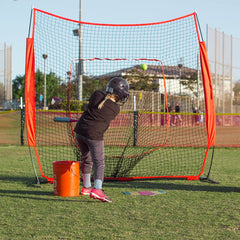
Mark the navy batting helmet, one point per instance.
(119, 87)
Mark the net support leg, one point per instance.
(207, 179)
(135, 128)
(34, 169)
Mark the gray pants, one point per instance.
(92, 156)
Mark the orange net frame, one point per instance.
(149, 138)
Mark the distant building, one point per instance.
(6, 72)
(178, 81)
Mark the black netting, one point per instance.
(140, 142)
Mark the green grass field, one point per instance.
(188, 209)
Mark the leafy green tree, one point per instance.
(189, 84)
(236, 91)
(89, 86)
(141, 81)
(1, 93)
(18, 87)
(236, 88)
(54, 84)
(39, 83)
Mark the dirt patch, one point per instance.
(10, 128)
(227, 136)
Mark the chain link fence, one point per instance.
(224, 60)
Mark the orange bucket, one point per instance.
(66, 178)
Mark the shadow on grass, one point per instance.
(173, 186)
(28, 181)
(39, 195)
(23, 179)
(138, 184)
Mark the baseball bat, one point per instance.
(64, 119)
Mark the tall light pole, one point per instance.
(45, 82)
(180, 65)
(78, 32)
(80, 64)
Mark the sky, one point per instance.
(15, 17)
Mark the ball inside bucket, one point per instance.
(66, 178)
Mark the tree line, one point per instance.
(58, 87)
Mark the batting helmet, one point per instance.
(119, 87)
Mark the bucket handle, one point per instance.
(73, 173)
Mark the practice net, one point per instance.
(67, 60)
